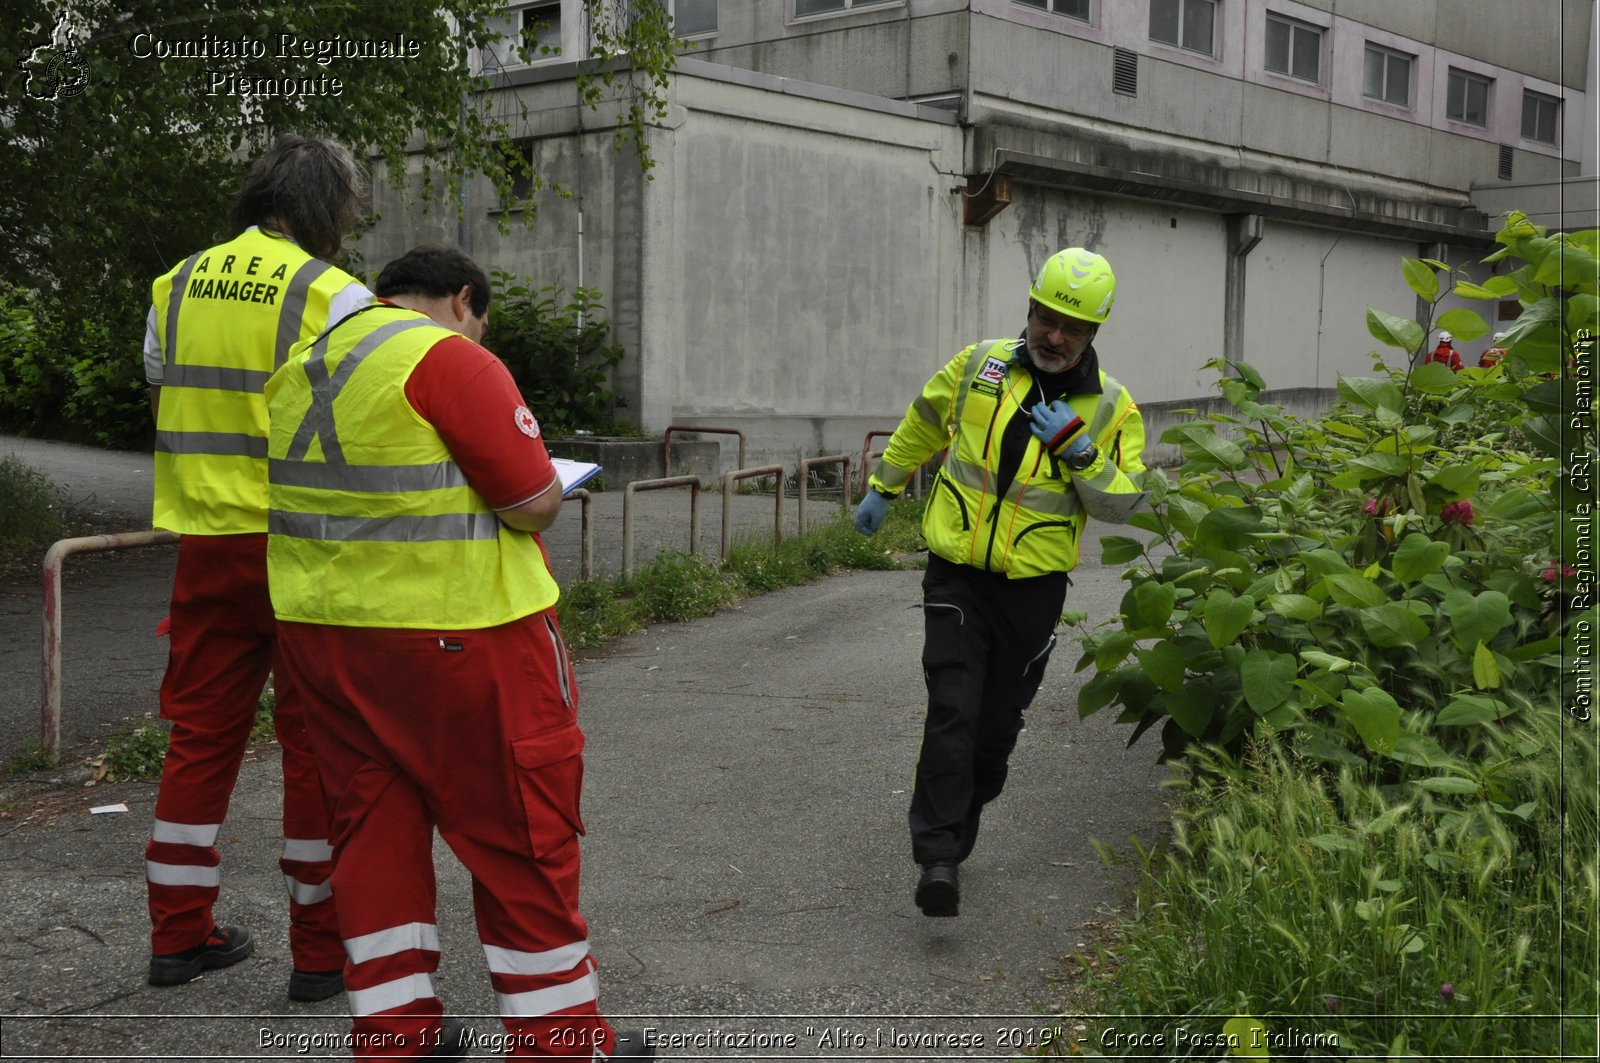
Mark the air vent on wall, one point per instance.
(1506, 156)
(1124, 72)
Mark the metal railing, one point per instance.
(585, 531)
(666, 443)
(54, 559)
(628, 494)
(867, 456)
(727, 503)
(804, 476)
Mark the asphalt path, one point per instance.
(747, 877)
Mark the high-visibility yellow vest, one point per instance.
(226, 318)
(1035, 527)
(372, 524)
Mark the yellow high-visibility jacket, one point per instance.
(1035, 528)
(372, 524)
(226, 318)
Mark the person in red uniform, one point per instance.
(1445, 353)
(219, 323)
(409, 485)
(1495, 354)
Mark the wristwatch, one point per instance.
(1083, 458)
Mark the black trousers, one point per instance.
(986, 644)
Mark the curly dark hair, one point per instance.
(308, 189)
(434, 271)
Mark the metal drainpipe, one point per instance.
(1244, 233)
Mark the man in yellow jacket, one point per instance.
(1036, 438)
(220, 322)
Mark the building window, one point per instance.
(1294, 48)
(693, 18)
(1078, 9)
(541, 29)
(1540, 114)
(1388, 76)
(1468, 99)
(1189, 24)
(823, 7)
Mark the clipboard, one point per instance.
(574, 474)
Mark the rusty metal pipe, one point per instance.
(844, 482)
(628, 492)
(727, 503)
(54, 559)
(666, 443)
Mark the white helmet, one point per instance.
(1498, 336)
(1445, 337)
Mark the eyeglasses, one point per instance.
(1069, 326)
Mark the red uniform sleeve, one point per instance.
(467, 394)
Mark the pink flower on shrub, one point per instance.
(1551, 574)
(1447, 991)
(1332, 1004)
(1457, 513)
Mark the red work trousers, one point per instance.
(474, 732)
(223, 640)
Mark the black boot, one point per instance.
(939, 891)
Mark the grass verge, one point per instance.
(1313, 915)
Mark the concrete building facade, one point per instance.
(846, 192)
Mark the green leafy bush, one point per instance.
(1377, 610)
(559, 353)
(81, 380)
(1347, 578)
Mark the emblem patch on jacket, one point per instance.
(990, 377)
(525, 422)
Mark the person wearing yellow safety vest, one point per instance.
(220, 322)
(407, 474)
(1037, 438)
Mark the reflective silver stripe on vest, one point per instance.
(926, 411)
(292, 311)
(318, 422)
(973, 478)
(216, 378)
(975, 362)
(222, 444)
(374, 478)
(443, 527)
(891, 476)
(1106, 408)
(180, 281)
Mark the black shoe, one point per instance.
(223, 947)
(939, 891)
(454, 1040)
(630, 1045)
(307, 987)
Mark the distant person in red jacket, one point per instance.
(1446, 353)
(1495, 354)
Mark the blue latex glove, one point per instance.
(1062, 432)
(870, 513)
